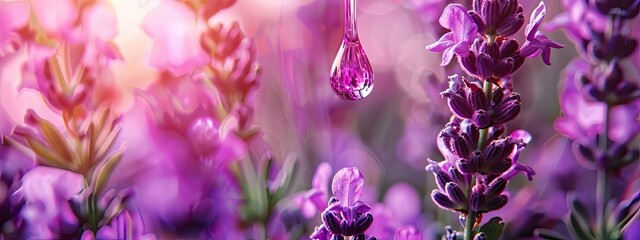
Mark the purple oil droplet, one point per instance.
(351, 73)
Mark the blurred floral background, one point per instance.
(195, 119)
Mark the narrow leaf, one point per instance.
(46, 156)
(579, 228)
(53, 136)
(548, 234)
(106, 170)
(577, 208)
(578, 218)
(493, 228)
(105, 144)
(284, 177)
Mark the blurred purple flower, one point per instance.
(93, 24)
(175, 46)
(428, 10)
(401, 206)
(315, 200)
(13, 16)
(187, 110)
(537, 42)
(583, 119)
(463, 33)
(47, 192)
(407, 232)
(579, 20)
(346, 215)
(125, 226)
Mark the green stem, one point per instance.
(484, 133)
(603, 180)
(470, 221)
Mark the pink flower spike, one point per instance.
(172, 26)
(348, 186)
(99, 26)
(57, 17)
(13, 15)
(463, 33)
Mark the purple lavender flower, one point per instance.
(602, 99)
(537, 42)
(463, 32)
(407, 232)
(497, 18)
(578, 20)
(481, 38)
(468, 101)
(346, 215)
(315, 200)
(479, 160)
(399, 208)
(625, 9)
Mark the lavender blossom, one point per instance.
(537, 42)
(607, 101)
(316, 198)
(346, 215)
(479, 159)
(463, 32)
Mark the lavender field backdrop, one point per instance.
(319, 119)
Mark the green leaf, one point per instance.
(55, 139)
(47, 157)
(548, 234)
(283, 180)
(577, 208)
(628, 211)
(578, 228)
(106, 170)
(493, 228)
(578, 218)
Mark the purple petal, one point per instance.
(535, 21)
(404, 201)
(539, 44)
(447, 56)
(517, 168)
(321, 177)
(446, 41)
(348, 185)
(463, 32)
(452, 15)
(625, 122)
(360, 207)
(522, 135)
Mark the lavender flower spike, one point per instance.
(537, 42)
(463, 33)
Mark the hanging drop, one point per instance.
(351, 72)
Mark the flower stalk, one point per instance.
(479, 158)
(603, 85)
